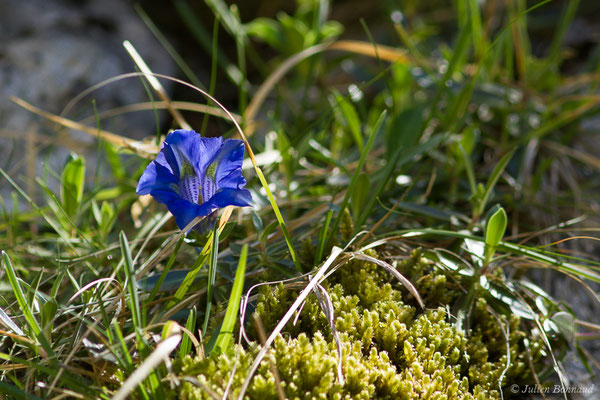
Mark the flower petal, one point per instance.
(228, 173)
(230, 197)
(157, 174)
(183, 148)
(195, 176)
(184, 211)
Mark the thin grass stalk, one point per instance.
(212, 273)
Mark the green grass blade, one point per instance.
(400, 157)
(354, 179)
(190, 277)
(563, 25)
(280, 220)
(477, 33)
(165, 271)
(24, 305)
(493, 179)
(72, 184)
(226, 334)
(41, 212)
(212, 274)
(468, 168)
(195, 26)
(322, 237)
(134, 301)
(346, 113)
(544, 257)
(190, 325)
(213, 67)
(185, 68)
(15, 392)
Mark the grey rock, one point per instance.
(50, 51)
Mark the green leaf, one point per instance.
(267, 30)
(212, 274)
(349, 118)
(322, 237)
(400, 157)
(493, 179)
(404, 130)
(72, 184)
(48, 313)
(25, 306)
(15, 392)
(134, 302)
(360, 194)
(190, 325)
(357, 171)
(565, 322)
(226, 334)
(503, 298)
(494, 231)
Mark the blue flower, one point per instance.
(194, 176)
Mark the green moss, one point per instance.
(391, 350)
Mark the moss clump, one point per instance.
(391, 350)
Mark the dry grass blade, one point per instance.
(576, 154)
(143, 149)
(327, 307)
(149, 106)
(263, 338)
(405, 282)
(161, 352)
(382, 52)
(271, 81)
(336, 251)
(9, 323)
(89, 285)
(379, 51)
(506, 334)
(158, 88)
(205, 388)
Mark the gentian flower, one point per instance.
(194, 176)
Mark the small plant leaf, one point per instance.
(349, 118)
(565, 322)
(72, 184)
(494, 232)
(493, 179)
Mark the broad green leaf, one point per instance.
(72, 184)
